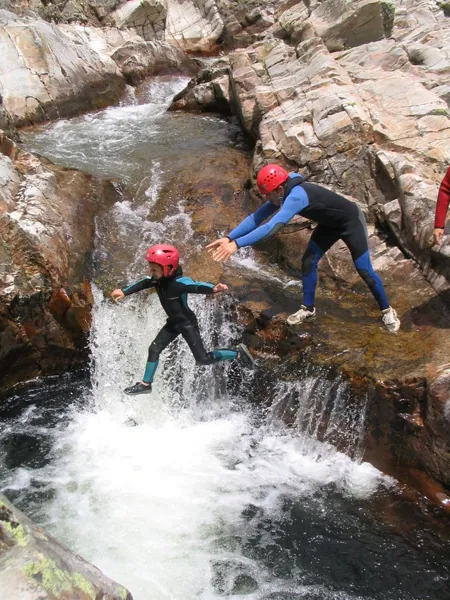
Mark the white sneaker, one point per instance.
(390, 320)
(301, 316)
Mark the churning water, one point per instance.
(192, 493)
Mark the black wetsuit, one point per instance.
(337, 218)
(172, 292)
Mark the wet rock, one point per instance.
(209, 91)
(54, 76)
(6, 124)
(229, 578)
(138, 59)
(403, 377)
(35, 565)
(46, 239)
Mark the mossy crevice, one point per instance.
(55, 580)
(13, 527)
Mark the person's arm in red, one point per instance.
(441, 208)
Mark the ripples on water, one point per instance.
(205, 497)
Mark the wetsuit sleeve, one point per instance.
(186, 285)
(143, 284)
(293, 205)
(443, 201)
(253, 221)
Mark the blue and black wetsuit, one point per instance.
(337, 218)
(172, 292)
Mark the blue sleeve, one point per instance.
(293, 205)
(186, 285)
(253, 220)
(143, 284)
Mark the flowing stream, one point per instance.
(192, 492)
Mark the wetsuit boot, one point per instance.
(245, 357)
(138, 388)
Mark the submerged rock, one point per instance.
(34, 565)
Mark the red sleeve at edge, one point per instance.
(443, 201)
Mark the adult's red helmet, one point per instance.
(270, 177)
(166, 256)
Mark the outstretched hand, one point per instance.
(117, 294)
(220, 287)
(438, 234)
(222, 249)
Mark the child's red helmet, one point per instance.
(166, 256)
(270, 177)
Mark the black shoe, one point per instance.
(245, 357)
(138, 388)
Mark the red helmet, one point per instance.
(270, 177)
(166, 256)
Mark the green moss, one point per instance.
(123, 593)
(388, 12)
(439, 111)
(445, 7)
(56, 580)
(18, 532)
(83, 584)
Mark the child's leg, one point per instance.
(161, 341)
(191, 334)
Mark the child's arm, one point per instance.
(186, 285)
(143, 284)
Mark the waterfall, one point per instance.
(200, 490)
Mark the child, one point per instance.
(172, 289)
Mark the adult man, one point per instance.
(337, 218)
(441, 208)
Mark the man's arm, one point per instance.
(294, 203)
(143, 284)
(443, 201)
(253, 221)
(441, 208)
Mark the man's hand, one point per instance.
(222, 249)
(437, 235)
(117, 294)
(220, 287)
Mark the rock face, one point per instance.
(35, 566)
(404, 377)
(146, 17)
(372, 120)
(65, 70)
(91, 12)
(194, 25)
(53, 76)
(191, 25)
(46, 239)
(138, 59)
